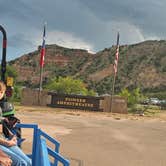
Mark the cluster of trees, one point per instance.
(133, 97)
(70, 85)
(63, 85)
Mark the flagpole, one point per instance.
(41, 79)
(42, 55)
(115, 71)
(113, 87)
(40, 84)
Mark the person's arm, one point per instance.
(5, 142)
(9, 143)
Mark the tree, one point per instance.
(132, 97)
(68, 85)
(11, 72)
(16, 93)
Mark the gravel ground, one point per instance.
(100, 139)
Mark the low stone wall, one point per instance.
(33, 97)
(119, 104)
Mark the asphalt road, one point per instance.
(100, 140)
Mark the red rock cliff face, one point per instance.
(28, 68)
(142, 64)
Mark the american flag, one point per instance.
(42, 54)
(116, 56)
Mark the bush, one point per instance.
(133, 97)
(68, 85)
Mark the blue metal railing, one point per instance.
(44, 154)
(55, 142)
(40, 148)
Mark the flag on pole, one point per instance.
(42, 54)
(116, 56)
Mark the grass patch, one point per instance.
(147, 110)
(151, 112)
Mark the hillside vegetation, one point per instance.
(140, 65)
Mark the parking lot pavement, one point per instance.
(104, 141)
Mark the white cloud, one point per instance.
(86, 24)
(65, 39)
(128, 33)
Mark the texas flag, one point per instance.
(42, 54)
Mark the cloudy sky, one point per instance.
(87, 24)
